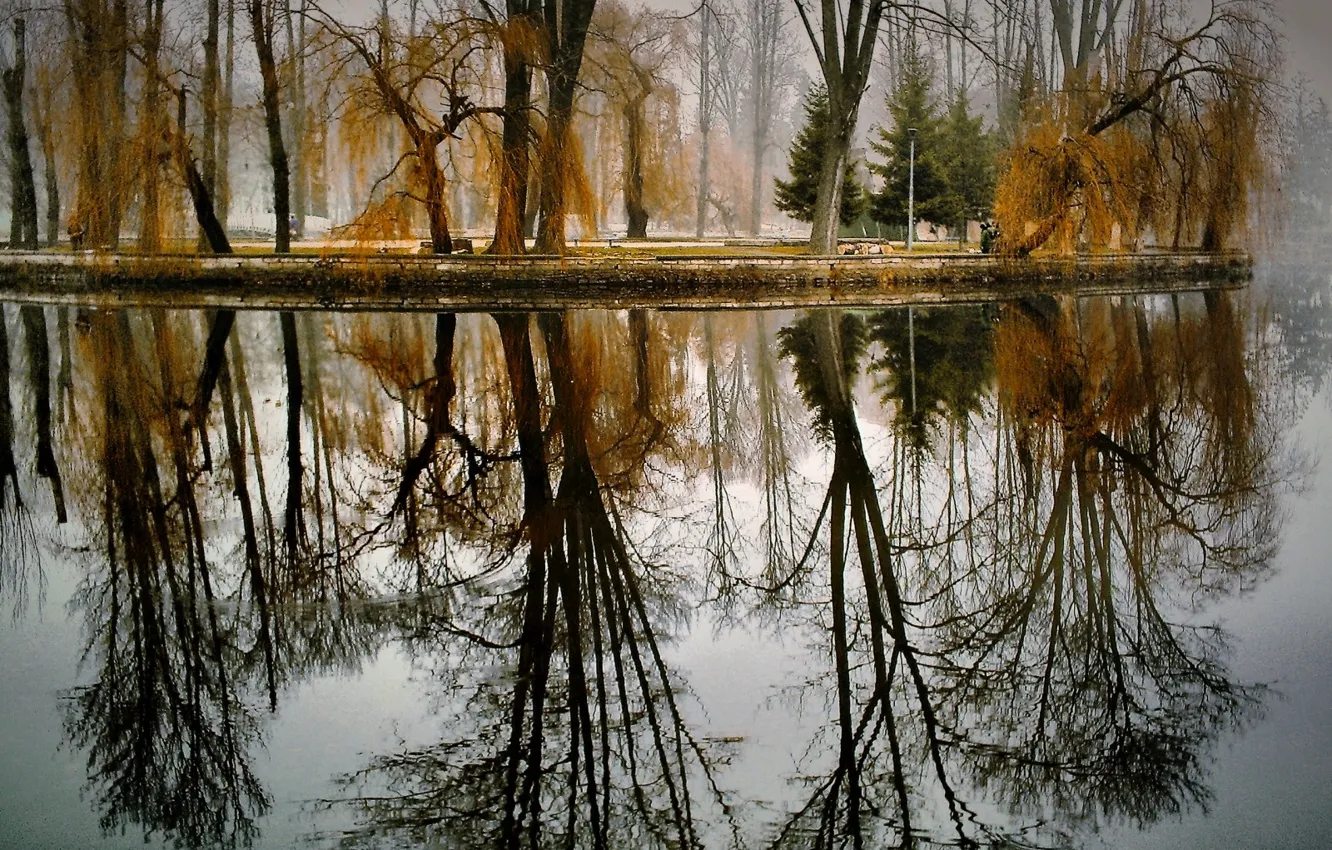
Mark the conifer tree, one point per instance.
(796, 197)
(911, 107)
(967, 152)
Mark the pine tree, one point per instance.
(796, 197)
(968, 159)
(911, 107)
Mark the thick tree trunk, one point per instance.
(828, 201)
(633, 169)
(210, 85)
(515, 159)
(23, 197)
(277, 150)
(567, 21)
(436, 199)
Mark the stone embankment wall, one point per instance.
(377, 282)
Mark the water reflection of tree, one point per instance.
(20, 569)
(1157, 463)
(936, 364)
(1039, 658)
(182, 644)
(575, 733)
(166, 734)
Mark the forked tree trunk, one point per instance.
(567, 26)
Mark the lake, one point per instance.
(1051, 571)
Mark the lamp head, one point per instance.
(911, 132)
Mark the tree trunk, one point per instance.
(567, 21)
(436, 200)
(23, 198)
(150, 214)
(223, 187)
(277, 150)
(828, 201)
(211, 232)
(704, 120)
(51, 178)
(845, 76)
(300, 168)
(633, 169)
(114, 169)
(210, 85)
(515, 158)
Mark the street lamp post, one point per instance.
(911, 191)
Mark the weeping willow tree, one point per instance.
(404, 76)
(1163, 134)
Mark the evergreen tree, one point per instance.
(911, 107)
(796, 197)
(968, 159)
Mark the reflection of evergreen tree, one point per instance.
(954, 365)
(800, 343)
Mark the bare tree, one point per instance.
(263, 27)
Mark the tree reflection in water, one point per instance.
(1032, 657)
(1007, 566)
(575, 735)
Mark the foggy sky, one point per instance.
(1308, 27)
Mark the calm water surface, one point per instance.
(1045, 573)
